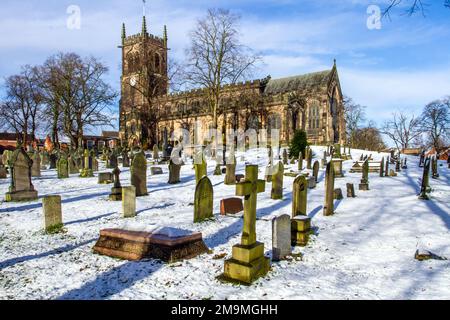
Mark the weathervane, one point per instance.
(143, 7)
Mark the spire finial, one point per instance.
(124, 34)
(165, 35)
(144, 22)
(335, 62)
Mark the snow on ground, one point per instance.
(365, 251)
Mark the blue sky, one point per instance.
(403, 65)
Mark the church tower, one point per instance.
(144, 77)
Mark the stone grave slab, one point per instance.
(231, 206)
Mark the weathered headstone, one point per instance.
(350, 190)
(105, 178)
(156, 171)
(299, 196)
(300, 161)
(174, 172)
(338, 194)
(230, 173)
(52, 213)
(309, 159)
(73, 167)
(139, 174)
(422, 158)
(281, 237)
(364, 185)
(323, 161)
(300, 230)
(248, 262)
(386, 169)
(21, 187)
(311, 183)
(231, 206)
(328, 208)
(316, 171)
(382, 167)
(203, 200)
(129, 201)
(404, 166)
(337, 167)
(277, 182)
(53, 159)
(285, 157)
(434, 167)
(63, 168)
(200, 166)
(36, 167)
(425, 180)
(116, 190)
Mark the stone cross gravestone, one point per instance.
(277, 182)
(52, 213)
(139, 174)
(281, 237)
(21, 187)
(248, 262)
(328, 208)
(203, 200)
(116, 190)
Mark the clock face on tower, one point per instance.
(133, 81)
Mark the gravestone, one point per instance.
(163, 243)
(434, 167)
(230, 173)
(311, 183)
(328, 208)
(63, 168)
(268, 173)
(200, 166)
(404, 166)
(203, 200)
(21, 187)
(139, 174)
(337, 167)
(386, 169)
(2, 170)
(337, 150)
(338, 194)
(323, 161)
(116, 190)
(397, 165)
(285, 157)
(53, 159)
(125, 159)
(281, 237)
(350, 190)
(299, 196)
(174, 172)
(248, 262)
(87, 171)
(382, 167)
(300, 230)
(44, 160)
(52, 213)
(156, 171)
(105, 178)
(94, 162)
(277, 182)
(364, 185)
(392, 173)
(309, 159)
(422, 158)
(128, 201)
(112, 162)
(316, 171)
(300, 161)
(155, 153)
(73, 168)
(231, 206)
(424, 188)
(36, 167)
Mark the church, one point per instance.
(149, 113)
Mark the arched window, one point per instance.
(314, 116)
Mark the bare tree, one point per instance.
(355, 116)
(369, 138)
(402, 130)
(22, 105)
(413, 6)
(77, 98)
(435, 122)
(216, 56)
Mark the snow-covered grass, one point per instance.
(365, 251)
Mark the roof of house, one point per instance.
(110, 134)
(299, 82)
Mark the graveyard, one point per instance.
(373, 239)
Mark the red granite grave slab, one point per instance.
(167, 244)
(231, 206)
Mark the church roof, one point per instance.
(298, 82)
